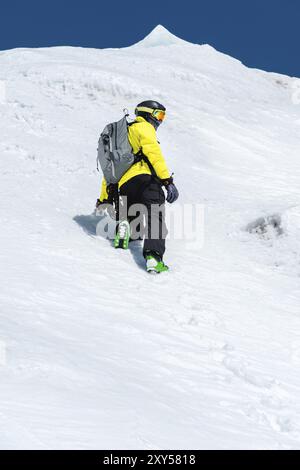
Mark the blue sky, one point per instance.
(263, 34)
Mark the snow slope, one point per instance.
(95, 352)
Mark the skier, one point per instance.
(142, 184)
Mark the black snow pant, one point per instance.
(147, 191)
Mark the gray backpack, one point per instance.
(115, 154)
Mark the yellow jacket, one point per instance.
(142, 136)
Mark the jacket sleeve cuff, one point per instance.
(167, 181)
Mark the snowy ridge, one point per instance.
(99, 355)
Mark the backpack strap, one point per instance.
(141, 156)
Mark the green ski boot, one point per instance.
(123, 235)
(155, 266)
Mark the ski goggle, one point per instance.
(158, 114)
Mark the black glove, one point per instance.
(172, 191)
(99, 203)
(100, 207)
(105, 207)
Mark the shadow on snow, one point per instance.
(89, 225)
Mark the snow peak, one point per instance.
(113, 460)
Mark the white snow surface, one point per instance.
(95, 353)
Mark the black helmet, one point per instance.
(152, 111)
